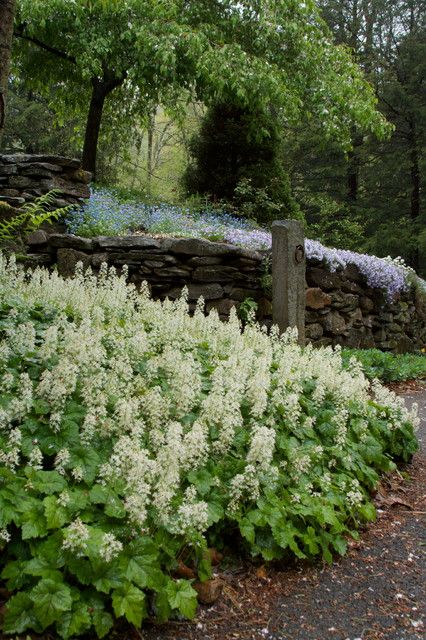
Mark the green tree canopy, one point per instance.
(236, 157)
(375, 194)
(144, 52)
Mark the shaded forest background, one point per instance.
(369, 198)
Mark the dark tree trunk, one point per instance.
(93, 126)
(415, 186)
(7, 14)
(415, 181)
(149, 164)
(101, 88)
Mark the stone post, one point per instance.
(288, 276)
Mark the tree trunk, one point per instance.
(415, 178)
(7, 14)
(415, 185)
(101, 88)
(149, 164)
(93, 126)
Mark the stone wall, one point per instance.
(340, 307)
(23, 177)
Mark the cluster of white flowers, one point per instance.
(4, 535)
(170, 391)
(76, 536)
(354, 494)
(394, 408)
(110, 547)
(192, 514)
(340, 420)
(35, 459)
(244, 485)
(10, 457)
(62, 458)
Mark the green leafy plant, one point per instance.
(247, 309)
(30, 217)
(266, 277)
(133, 436)
(388, 367)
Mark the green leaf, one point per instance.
(34, 523)
(182, 597)
(51, 550)
(87, 459)
(311, 541)
(115, 507)
(8, 513)
(202, 480)
(247, 530)
(74, 622)
(56, 514)
(129, 601)
(78, 500)
(48, 482)
(162, 606)
(215, 512)
(367, 511)
(81, 568)
(50, 600)
(41, 407)
(106, 576)
(19, 614)
(99, 494)
(326, 554)
(42, 568)
(204, 567)
(141, 571)
(102, 621)
(13, 573)
(340, 545)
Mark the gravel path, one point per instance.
(376, 592)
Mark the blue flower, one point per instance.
(104, 214)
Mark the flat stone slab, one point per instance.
(127, 242)
(69, 241)
(17, 158)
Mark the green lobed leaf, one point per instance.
(183, 597)
(74, 622)
(20, 614)
(50, 600)
(129, 601)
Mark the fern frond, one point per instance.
(31, 216)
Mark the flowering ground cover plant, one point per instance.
(107, 214)
(133, 436)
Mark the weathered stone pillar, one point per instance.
(288, 276)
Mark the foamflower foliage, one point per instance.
(132, 434)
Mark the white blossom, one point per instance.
(76, 536)
(110, 547)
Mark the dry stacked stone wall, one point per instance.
(340, 307)
(24, 177)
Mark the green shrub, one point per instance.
(236, 159)
(388, 367)
(133, 436)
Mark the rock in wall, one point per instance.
(340, 307)
(23, 177)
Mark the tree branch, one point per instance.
(19, 33)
